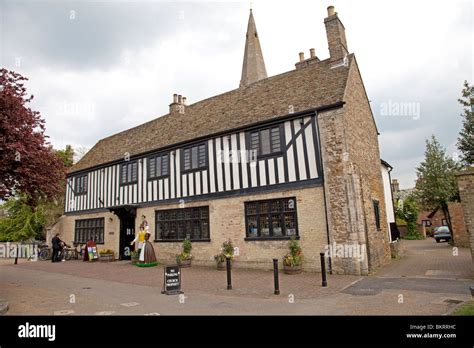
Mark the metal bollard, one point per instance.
(275, 277)
(229, 276)
(323, 270)
(16, 256)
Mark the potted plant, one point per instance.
(227, 250)
(135, 255)
(184, 258)
(106, 255)
(293, 261)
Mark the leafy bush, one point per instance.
(295, 255)
(187, 246)
(186, 253)
(227, 250)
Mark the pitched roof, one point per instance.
(310, 87)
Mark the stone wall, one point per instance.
(227, 220)
(353, 179)
(466, 193)
(364, 154)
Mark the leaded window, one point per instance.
(89, 229)
(183, 223)
(266, 142)
(158, 166)
(129, 173)
(195, 157)
(80, 185)
(274, 218)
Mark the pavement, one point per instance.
(430, 279)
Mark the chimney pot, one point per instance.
(184, 100)
(175, 98)
(331, 11)
(312, 53)
(180, 99)
(301, 56)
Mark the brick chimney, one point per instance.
(305, 62)
(336, 36)
(395, 185)
(178, 105)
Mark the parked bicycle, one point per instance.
(44, 252)
(69, 253)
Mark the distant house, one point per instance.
(431, 218)
(435, 218)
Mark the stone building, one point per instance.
(294, 154)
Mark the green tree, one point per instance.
(67, 155)
(409, 212)
(436, 184)
(22, 221)
(466, 135)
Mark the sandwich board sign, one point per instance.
(172, 280)
(92, 251)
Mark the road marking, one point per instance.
(105, 313)
(438, 272)
(130, 304)
(63, 312)
(349, 285)
(152, 313)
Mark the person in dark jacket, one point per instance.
(57, 246)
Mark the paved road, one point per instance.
(422, 282)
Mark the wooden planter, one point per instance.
(292, 269)
(185, 263)
(221, 266)
(106, 257)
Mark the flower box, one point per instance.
(297, 269)
(106, 257)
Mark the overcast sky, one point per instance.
(99, 67)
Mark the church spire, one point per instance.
(253, 68)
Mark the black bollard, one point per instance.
(323, 270)
(275, 277)
(16, 256)
(229, 276)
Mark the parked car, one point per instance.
(442, 233)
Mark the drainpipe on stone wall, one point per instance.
(324, 190)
